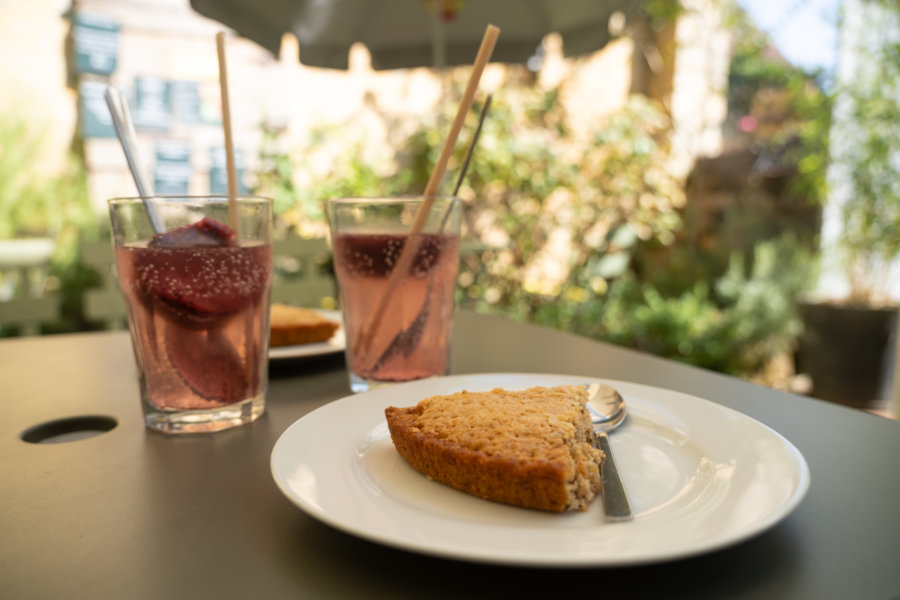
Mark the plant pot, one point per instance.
(847, 351)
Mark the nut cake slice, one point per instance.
(533, 448)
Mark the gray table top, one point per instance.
(137, 514)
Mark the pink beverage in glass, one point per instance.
(198, 304)
(412, 339)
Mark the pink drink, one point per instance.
(412, 338)
(198, 316)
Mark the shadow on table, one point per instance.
(729, 573)
(305, 365)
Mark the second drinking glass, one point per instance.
(396, 285)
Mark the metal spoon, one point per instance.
(607, 410)
(124, 126)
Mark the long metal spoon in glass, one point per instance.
(607, 410)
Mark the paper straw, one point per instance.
(229, 141)
(481, 60)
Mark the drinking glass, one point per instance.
(396, 270)
(196, 280)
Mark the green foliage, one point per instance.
(750, 308)
(35, 203)
(583, 232)
(752, 67)
(333, 163)
(275, 177)
(733, 325)
(788, 108)
(551, 210)
(32, 201)
(662, 12)
(811, 130)
(869, 154)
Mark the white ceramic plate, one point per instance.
(335, 344)
(700, 477)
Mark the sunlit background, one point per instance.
(703, 186)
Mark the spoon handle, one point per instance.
(124, 126)
(615, 500)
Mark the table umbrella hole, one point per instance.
(68, 430)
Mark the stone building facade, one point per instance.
(162, 55)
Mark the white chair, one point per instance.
(25, 303)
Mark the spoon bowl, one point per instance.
(606, 405)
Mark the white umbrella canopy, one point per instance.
(409, 33)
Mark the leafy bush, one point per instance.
(869, 155)
(332, 164)
(35, 203)
(735, 325)
(782, 110)
(583, 236)
(550, 212)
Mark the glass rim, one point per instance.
(398, 199)
(188, 198)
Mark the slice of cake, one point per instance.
(533, 448)
(291, 325)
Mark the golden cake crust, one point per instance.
(531, 448)
(290, 325)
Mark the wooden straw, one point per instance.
(229, 141)
(481, 60)
(411, 247)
